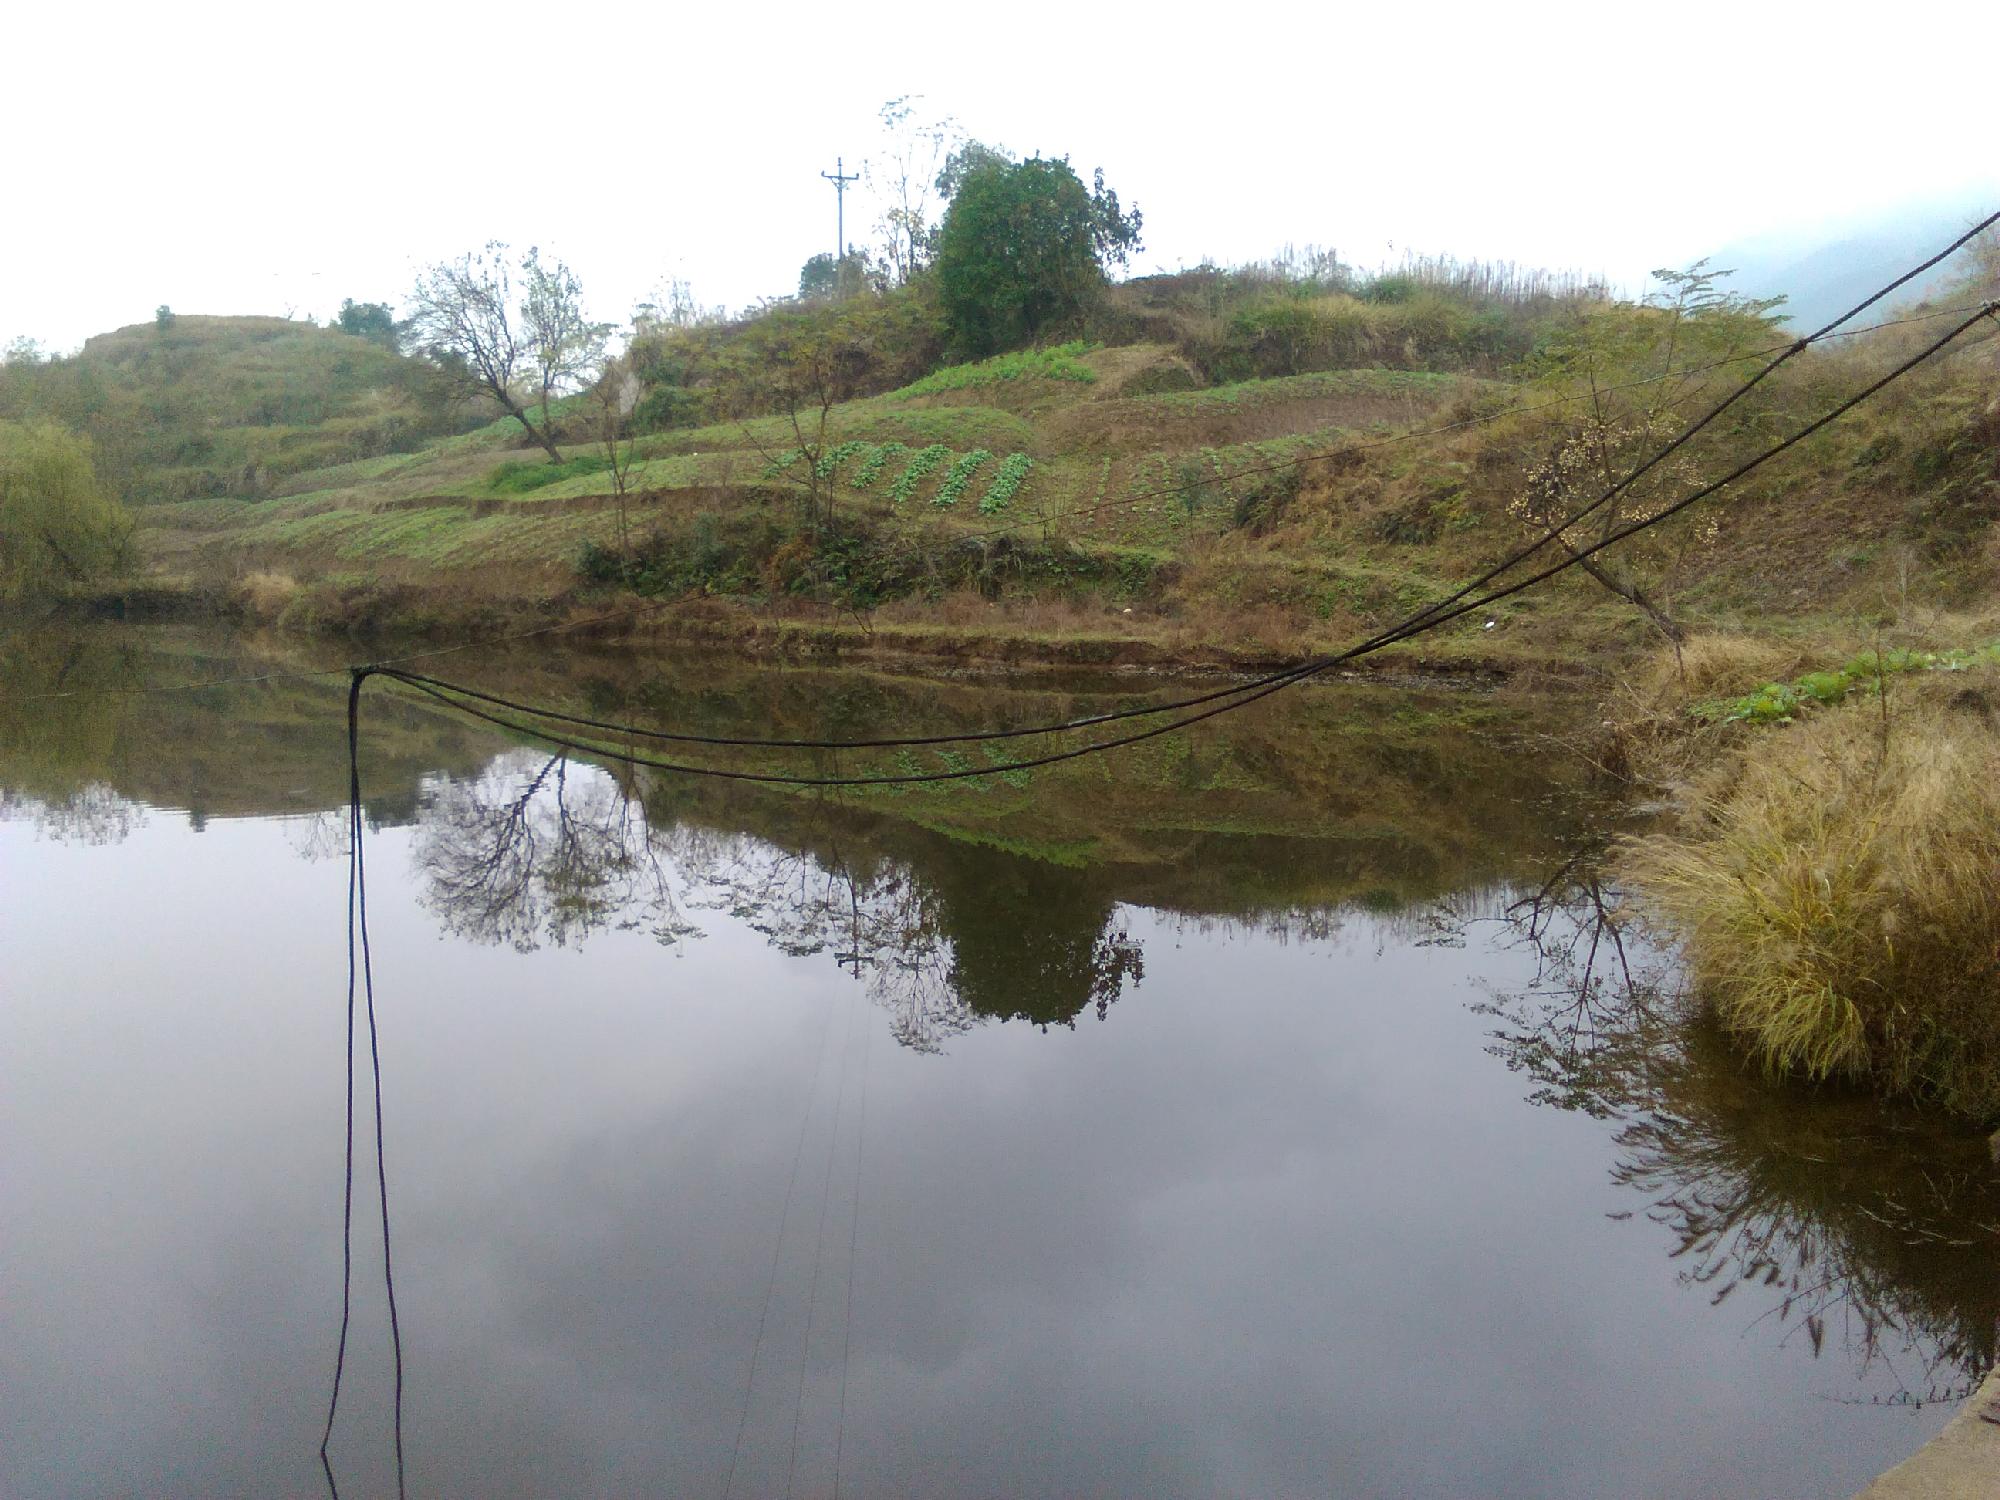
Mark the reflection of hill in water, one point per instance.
(1844, 1226)
(1842, 1223)
(1318, 796)
(976, 899)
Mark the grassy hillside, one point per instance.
(1231, 465)
(209, 406)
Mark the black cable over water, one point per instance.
(1444, 611)
(357, 925)
(1401, 630)
(347, 1196)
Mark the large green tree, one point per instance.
(1024, 247)
(57, 524)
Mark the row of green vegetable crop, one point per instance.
(919, 464)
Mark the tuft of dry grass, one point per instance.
(1714, 664)
(1836, 887)
(265, 595)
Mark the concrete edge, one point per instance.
(1960, 1463)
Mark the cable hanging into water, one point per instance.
(357, 932)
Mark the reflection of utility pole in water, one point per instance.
(840, 177)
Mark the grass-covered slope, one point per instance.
(202, 406)
(1210, 468)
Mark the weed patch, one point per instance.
(1060, 362)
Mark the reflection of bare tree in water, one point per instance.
(876, 919)
(551, 857)
(550, 852)
(91, 813)
(1851, 1224)
(318, 836)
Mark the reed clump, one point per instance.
(1836, 886)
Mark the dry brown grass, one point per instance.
(1837, 889)
(266, 594)
(1714, 664)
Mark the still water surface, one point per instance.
(1208, 1122)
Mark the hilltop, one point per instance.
(194, 406)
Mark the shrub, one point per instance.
(1022, 248)
(1837, 892)
(56, 521)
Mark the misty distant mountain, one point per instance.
(1823, 273)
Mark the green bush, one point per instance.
(1021, 250)
(56, 521)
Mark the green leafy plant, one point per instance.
(873, 465)
(828, 464)
(1781, 702)
(913, 473)
(960, 476)
(1013, 469)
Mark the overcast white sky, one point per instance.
(260, 158)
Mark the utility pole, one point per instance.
(840, 178)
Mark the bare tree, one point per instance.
(670, 306)
(906, 181)
(463, 317)
(616, 397)
(564, 346)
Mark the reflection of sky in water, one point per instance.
(1278, 1226)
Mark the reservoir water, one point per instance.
(1267, 1110)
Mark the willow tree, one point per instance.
(57, 522)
